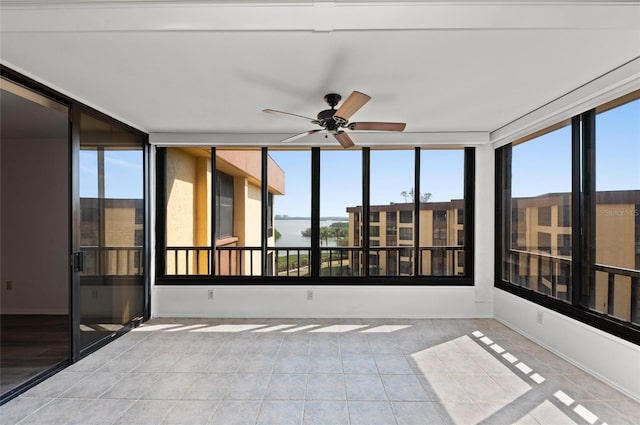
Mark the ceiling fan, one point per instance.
(334, 120)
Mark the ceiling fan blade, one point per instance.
(299, 136)
(355, 101)
(378, 126)
(273, 111)
(344, 139)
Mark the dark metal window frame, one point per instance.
(467, 279)
(582, 220)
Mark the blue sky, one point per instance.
(543, 165)
(539, 166)
(123, 174)
(341, 178)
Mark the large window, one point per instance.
(537, 194)
(442, 220)
(617, 193)
(340, 212)
(309, 213)
(580, 261)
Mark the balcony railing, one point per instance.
(113, 261)
(544, 273)
(551, 275)
(616, 306)
(295, 261)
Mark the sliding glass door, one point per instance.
(110, 261)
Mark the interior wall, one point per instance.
(34, 226)
(611, 359)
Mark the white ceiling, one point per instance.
(211, 67)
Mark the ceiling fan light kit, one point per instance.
(334, 120)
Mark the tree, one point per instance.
(276, 234)
(411, 194)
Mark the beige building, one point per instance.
(238, 215)
(541, 245)
(391, 227)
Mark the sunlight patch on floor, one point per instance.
(232, 328)
(338, 328)
(386, 329)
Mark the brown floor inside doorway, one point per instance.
(30, 345)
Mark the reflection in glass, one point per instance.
(617, 237)
(111, 228)
(441, 212)
(539, 253)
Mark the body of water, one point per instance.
(292, 236)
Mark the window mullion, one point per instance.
(588, 206)
(366, 169)
(315, 212)
(416, 214)
(214, 211)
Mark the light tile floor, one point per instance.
(329, 372)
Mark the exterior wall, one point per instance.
(426, 232)
(181, 205)
(615, 241)
(189, 179)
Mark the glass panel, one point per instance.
(340, 212)
(441, 212)
(34, 155)
(391, 194)
(111, 227)
(292, 213)
(617, 197)
(539, 255)
(239, 210)
(188, 231)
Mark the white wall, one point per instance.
(279, 301)
(613, 360)
(353, 301)
(35, 226)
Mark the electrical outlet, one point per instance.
(310, 295)
(539, 317)
(9, 285)
(211, 294)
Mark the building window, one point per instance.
(617, 193)
(564, 216)
(406, 233)
(544, 242)
(564, 245)
(224, 206)
(269, 214)
(392, 217)
(544, 216)
(460, 216)
(406, 216)
(374, 231)
(583, 264)
(374, 217)
(527, 248)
